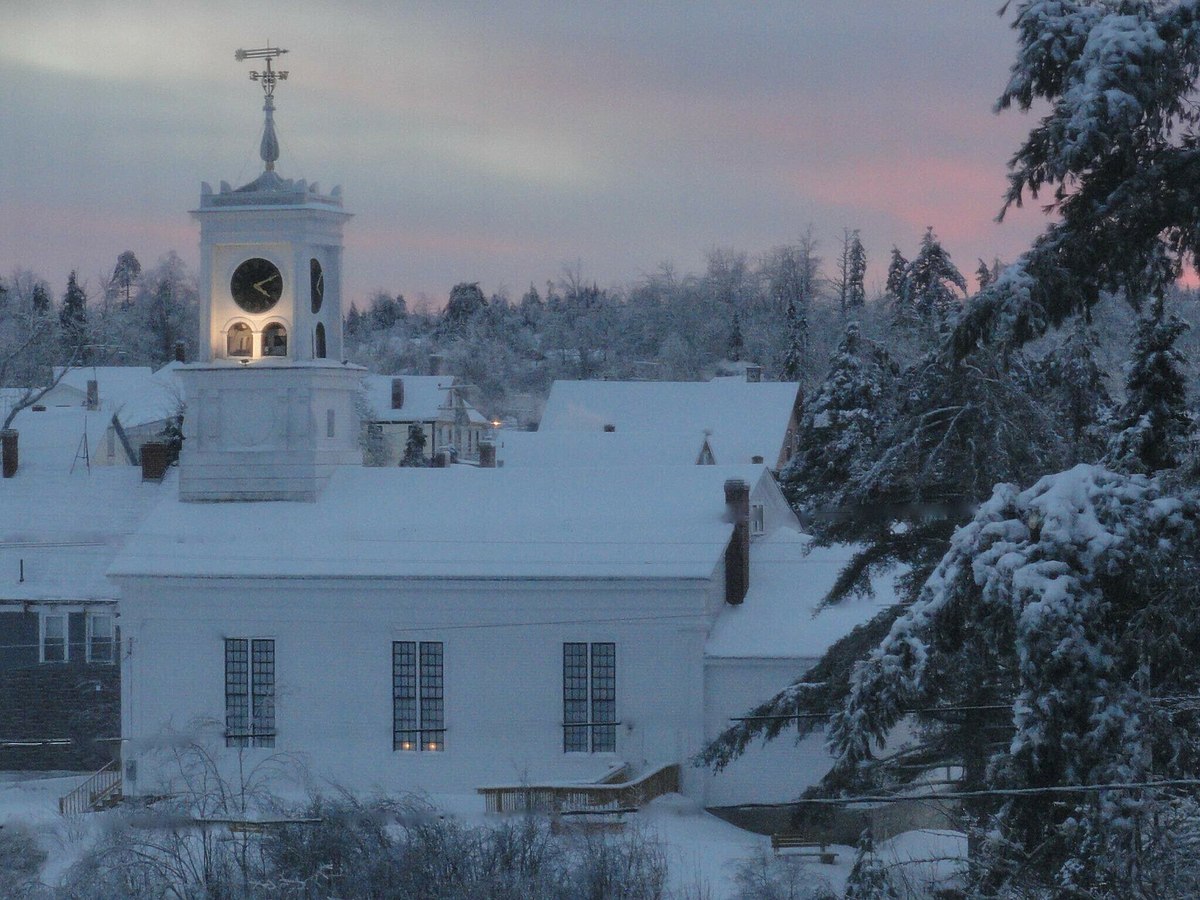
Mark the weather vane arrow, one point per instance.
(269, 148)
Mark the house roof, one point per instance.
(782, 615)
(426, 399)
(458, 522)
(60, 531)
(137, 394)
(746, 419)
(598, 448)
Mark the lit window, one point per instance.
(240, 340)
(54, 638)
(589, 697)
(418, 696)
(757, 519)
(274, 340)
(101, 645)
(249, 693)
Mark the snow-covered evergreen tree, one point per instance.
(793, 364)
(1076, 601)
(842, 421)
(1153, 422)
(72, 318)
(930, 283)
(414, 447)
(896, 273)
(868, 879)
(1074, 387)
(856, 295)
(1112, 158)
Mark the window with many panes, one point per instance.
(418, 696)
(589, 697)
(54, 638)
(249, 692)
(101, 635)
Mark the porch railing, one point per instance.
(103, 786)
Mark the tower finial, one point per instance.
(268, 149)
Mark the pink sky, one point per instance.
(501, 142)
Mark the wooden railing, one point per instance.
(552, 798)
(89, 796)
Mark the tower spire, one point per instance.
(268, 148)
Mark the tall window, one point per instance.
(54, 637)
(249, 692)
(589, 697)
(101, 647)
(418, 696)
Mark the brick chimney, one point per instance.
(397, 393)
(179, 351)
(487, 454)
(154, 461)
(737, 554)
(754, 374)
(8, 450)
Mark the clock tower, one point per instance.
(270, 405)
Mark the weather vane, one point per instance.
(269, 148)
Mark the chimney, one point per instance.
(753, 374)
(756, 459)
(487, 454)
(737, 554)
(609, 429)
(437, 362)
(397, 393)
(154, 461)
(8, 450)
(93, 394)
(179, 351)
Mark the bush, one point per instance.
(21, 860)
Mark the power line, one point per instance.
(990, 707)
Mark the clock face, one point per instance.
(256, 285)
(318, 284)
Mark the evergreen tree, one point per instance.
(1153, 422)
(737, 344)
(897, 274)
(1074, 389)
(355, 322)
(1113, 157)
(983, 276)
(857, 294)
(842, 421)
(414, 447)
(931, 281)
(40, 298)
(124, 277)
(72, 318)
(385, 310)
(465, 301)
(868, 879)
(795, 354)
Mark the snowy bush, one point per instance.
(21, 860)
(767, 876)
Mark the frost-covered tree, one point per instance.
(896, 273)
(842, 421)
(414, 447)
(868, 879)
(72, 316)
(737, 344)
(1075, 389)
(1073, 605)
(1114, 155)
(124, 277)
(793, 364)
(1153, 422)
(852, 270)
(930, 283)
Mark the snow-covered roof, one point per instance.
(61, 531)
(137, 394)
(542, 449)
(426, 399)
(789, 577)
(50, 440)
(458, 522)
(747, 419)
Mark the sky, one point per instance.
(506, 141)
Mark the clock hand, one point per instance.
(258, 285)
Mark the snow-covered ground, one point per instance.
(703, 852)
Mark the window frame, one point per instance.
(254, 662)
(758, 519)
(65, 618)
(90, 637)
(589, 690)
(418, 682)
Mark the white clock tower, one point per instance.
(270, 404)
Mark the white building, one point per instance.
(745, 420)
(432, 629)
(433, 403)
